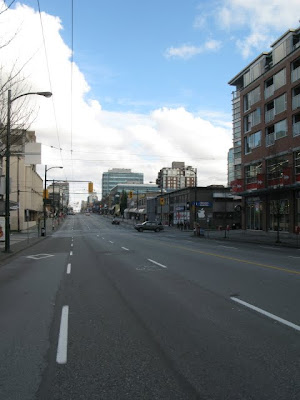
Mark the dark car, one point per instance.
(149, 226)
(115, 222)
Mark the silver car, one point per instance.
(149, 226)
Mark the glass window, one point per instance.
(251, 98)
(247, 78)
(279, 52)
(254, 215)
(275, 132)
(297, 163)
(280, 104)
(280, 129)
(251, 172)
(280, 79)
(279, 215)
(275, 167)
(252, 141)
(252, 119)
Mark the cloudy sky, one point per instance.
(148, 81)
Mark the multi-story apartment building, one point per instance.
(114, 176)
(59, 195)
(177, 177)
(26, 186)
(266, 137)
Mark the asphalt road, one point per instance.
(100, 311)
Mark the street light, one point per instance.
(7, 172)
(45, 188)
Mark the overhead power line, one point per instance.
(49, 78)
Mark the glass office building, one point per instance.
(115, 176)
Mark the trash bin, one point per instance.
(43, 231)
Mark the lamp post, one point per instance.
(7, 172)
(45, 189)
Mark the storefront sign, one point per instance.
(202, 203)
(260, 181)
(237, 186)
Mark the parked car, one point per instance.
(115, 222)
(149, 226)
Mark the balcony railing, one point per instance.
(296, 74)
(269, 116)
(296, 129)
(296, 102)
(269, 91)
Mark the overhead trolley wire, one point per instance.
(72, 61)
(49, 78)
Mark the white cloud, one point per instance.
(260, 18)
(188, 51)
(103, 139)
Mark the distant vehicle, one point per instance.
(115, 222)
(149, 226)
(87, 214)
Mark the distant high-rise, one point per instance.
(177, 177)
(114, 176)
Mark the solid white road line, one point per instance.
(62, 347)
(154, 262)
(69, 268)
(267, 314)
(71, 253)
(124, 248)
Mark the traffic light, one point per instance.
(91, 189)
(130, 194)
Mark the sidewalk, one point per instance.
(25, 239)
(236, 235)
(248, 236)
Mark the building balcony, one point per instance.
(296, 74)
(269, 91)
(269, 115)
(296, 102)
(296, 129)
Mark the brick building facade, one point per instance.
(266, 137)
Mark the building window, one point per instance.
(296, 124)
(296, 98)
(252, 141)
(295, 70)
(275, 132)
(238, 171)
(275, 82)
(275, 107)
(275, 168)
(251, 120)
(251, 98)
(251, 172)
(254, 214)
(297, 166)
(279, 215)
